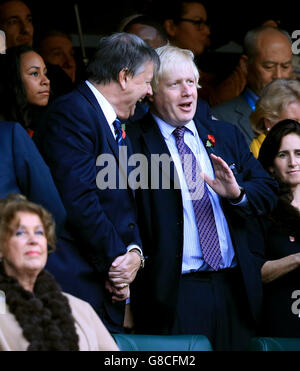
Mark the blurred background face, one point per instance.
(287, 161)
(292, 112)
(59, 50)
(272, 61)
(175, 98)
(148, 34)
(271, 23)
(25, 251)
(33, 73)
(189, 35)
(16, 22)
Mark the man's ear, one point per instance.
(123, 78)
(243, 62)
(170, 27)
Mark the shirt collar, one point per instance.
(251, 93)
(167, 129)
(106, 107)
(250, 97)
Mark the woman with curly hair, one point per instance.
(25, 88)
(39, 316)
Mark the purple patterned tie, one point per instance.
(204, 215)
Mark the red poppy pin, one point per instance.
(211, 142)
(292, 238)
(123, 131)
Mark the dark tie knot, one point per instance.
(119, 132)
(179, 132)
(117, 124)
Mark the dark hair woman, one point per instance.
(280, 156)
(25, 88)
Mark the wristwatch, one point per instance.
(140, 254)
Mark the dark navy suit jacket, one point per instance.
(22, 170)
(100, 223)
(160, 215)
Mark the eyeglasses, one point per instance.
(200, 23)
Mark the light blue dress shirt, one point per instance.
(192, 254)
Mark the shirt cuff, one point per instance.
(132, 246)
(243, 202)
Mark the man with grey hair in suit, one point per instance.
(99, 253)
(268, 56)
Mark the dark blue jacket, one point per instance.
(100, 223)
(22, 170)
(160, 219)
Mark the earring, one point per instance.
(268, 129)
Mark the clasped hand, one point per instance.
(122, 272)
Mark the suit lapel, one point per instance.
(86, 91)
(204, 130)
(124, 171)
(243, 112)
(156, 144)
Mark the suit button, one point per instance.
(131, 225)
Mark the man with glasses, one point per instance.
(185, 22)
(186, 26)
